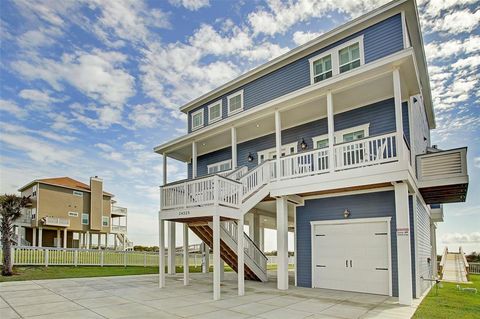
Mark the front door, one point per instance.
(271, 153)
(352, 256)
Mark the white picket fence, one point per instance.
(49, 256)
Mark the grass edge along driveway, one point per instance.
(451, 302)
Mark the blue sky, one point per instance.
(90, 87)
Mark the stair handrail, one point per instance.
(247, 190)
(237, 173)
(444, 257)
(465, 262)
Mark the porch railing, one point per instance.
(208, 190)
(118, 229)
(302, 164)
(56, 221)
(365, 152)
(256, 178)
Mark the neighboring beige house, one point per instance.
(70, 214)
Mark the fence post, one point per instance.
(46, 257)
(144, 259)
(12, 255)
(124, 258)
(101, 258)
(75, 258)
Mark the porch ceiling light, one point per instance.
(346, 213)
(303, 144)
(250, 157)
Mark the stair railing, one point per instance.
(256, 178)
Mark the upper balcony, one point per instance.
(119, 211)
(55, 221)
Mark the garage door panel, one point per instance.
(351, 255)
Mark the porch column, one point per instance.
(115, 243)
(278, 140)
(106, 240)
(240, 258)
(171, 248)
(194, 160)
(261, 239)
(216, 257)
(186, 263)
(81, 240)
(282, 243)
(65, 238)
(331, 132)
(403, 244)
(90, 240)
(161, 252)
(40, 236)
(58, 238)
(397, 94)
(99, 238)
(234, 147)
(34, 237)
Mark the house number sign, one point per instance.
(403, 231)
(183, 213)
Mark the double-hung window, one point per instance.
(322, 69)
(342, 58)
(105, 221)
(85, 218)
(219, 167)
(235, 102)
(197, 119)
(215, 112)
(349, 57)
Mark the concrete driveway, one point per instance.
(139, 297)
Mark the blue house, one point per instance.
(330, 141)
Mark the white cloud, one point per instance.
(40, 37)
(442, 50)
(39, 99)
(280, 16)
(192, 5)
(133, 146)
(61, 123)
(454, 22)
(264, 51)
(435, 8)
(104, 147)
(38, 150)
(461, 238)
(97, 74)
(301, 37)
(147, 116)
(476, 162)
(209, 41)
(12, 108)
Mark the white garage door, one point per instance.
(352, 256)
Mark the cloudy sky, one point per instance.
(90, 87)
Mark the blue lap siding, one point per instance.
(370, 205)
(380, 40)
(380, 115)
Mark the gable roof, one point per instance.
(65, 181)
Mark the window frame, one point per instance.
(229, 112)
(312, 69)
(219, 102)
(107, 218)
(88, 218)
(338, 135)
(229, 161)
(334, 52)
(192, 115)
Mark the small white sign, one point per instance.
(403, 231)
(77, 193)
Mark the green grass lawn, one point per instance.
(450, 302)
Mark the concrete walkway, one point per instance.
(454, 269)
(139, 297)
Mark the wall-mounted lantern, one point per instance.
(346, 213)
(250, 157)
(303, 144)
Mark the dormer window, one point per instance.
(215, 112)
(197, 119)
(235, 102)
(349, 57)
(322, 68)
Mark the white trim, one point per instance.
(318, 138)
(406, 39)
(228, 102)
(295, 242)
(192, 115)
(347, 44)
(314, 223)
(265, 152)
(347, 193)
(229, 161)
(219, 102)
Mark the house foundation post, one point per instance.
(282, 243)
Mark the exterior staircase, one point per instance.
(454, 266)
(125, 243)
(255, 260)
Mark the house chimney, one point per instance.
(96, 203)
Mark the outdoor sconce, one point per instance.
(303, 144)
(250, 157)
(346, 213)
